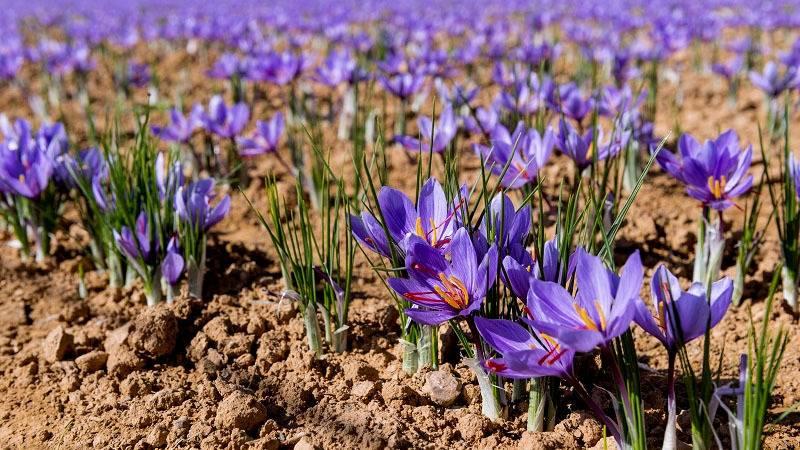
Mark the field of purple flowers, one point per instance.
(400, 225)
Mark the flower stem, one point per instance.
(670, 433)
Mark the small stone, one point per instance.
(240, 410)
(57, 343)
(442, 387)
(92, 361)
(155, 331)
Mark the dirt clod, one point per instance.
(154, 332)
(92, 361)
(56, 345)
(240, 410)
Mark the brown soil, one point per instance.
(234, 371)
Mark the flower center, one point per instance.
(452, 291)
(589, 322)
(717, 186)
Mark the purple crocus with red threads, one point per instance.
(522, 355)
(443, 289)
(433, 219)
(602, 309)
(518, 157)
(715, 172)
(680, 317)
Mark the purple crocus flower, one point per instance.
(523, 356)
(509, 229)
(138, 74)
(485, 120)
(227, 66)
(402, 85)
(440, 289)
(224, 121)
(433, 219)
(518, 275)
(682, 316)
(24, 170)
(277, 68)
(168, 177)
(577, 147)
(572, 104)
(87, 165)
(192, 204)
(444, 132)
(520, 98)
(715, 172)
(265, 139)
(172, 266)
(521, 154)
(580, 148)
(602, 309)
(137, 244)
(181, 127)
(339, 67)
(774, 83)
(728, 70)
(458, 96)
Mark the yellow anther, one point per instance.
(419, 230)
(586, 318)
(717, 186)
(600, 313)
(453, 291)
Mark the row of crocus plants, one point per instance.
(523, 275)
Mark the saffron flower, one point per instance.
(519, 274)
(772, 82)
(509, 229)
(181, 127)
(444, 132)
(25, 168)
(522, 355)
(521, 154)
(580, 148)
(192, 204)
(440, 289)
(602, 309)
(715, 172)
(402, 85)
(136, 245)
(682, 316)
(172, 266)
(433, 219)
(265, 139)
(224, 121)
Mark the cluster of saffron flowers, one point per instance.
(144, 218)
